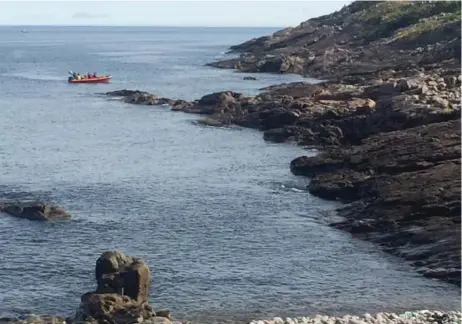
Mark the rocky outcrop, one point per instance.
(121, 296)
(359, 39)
(330, 113)
(122, 293)
(38, 211)
(117, 273)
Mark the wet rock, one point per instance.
(124, 93)
(406, 179)
(164, 313)
(249, 78)
(211, 122)
(35, 211)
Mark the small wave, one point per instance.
(291, 186)
(41, 77)
(294, 189)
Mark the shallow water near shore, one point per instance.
(228, 232)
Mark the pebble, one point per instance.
(411, 317)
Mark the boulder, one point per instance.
(112, 309)
(142, 98)
(362, 105)
(35, 211)
(121, 296)
(117, 273)
(404, 85)
(123, 93)
(439, 102)
(219, 98)
(277, 118)
(382, 90)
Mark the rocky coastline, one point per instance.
(390, 134)
(387, 121)
(391, 150)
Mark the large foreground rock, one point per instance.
(112, 308)
(35, 211)
(122, 293)
(118, 273)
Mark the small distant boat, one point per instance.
(100, 79)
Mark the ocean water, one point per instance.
(228, 232)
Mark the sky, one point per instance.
(165, 13)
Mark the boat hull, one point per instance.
(105, 79)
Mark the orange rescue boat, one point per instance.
(99, 79)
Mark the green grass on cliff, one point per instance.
(384, 19)
(425, 25)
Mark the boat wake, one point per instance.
(29, 76)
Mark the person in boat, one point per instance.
(94, 75)
(74, 75)
(79, 77)
(88, 76)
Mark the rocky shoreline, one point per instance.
(387, 121)
(391, 149)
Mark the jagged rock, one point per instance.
(117, 273)
(121, 296)
(112, 309)
(406, 179)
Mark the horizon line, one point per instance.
(161, 26)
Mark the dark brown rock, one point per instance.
(409, 184)
(112, 308)
(123, 93)
(117, 273)
(121, 296)
(35, 211)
